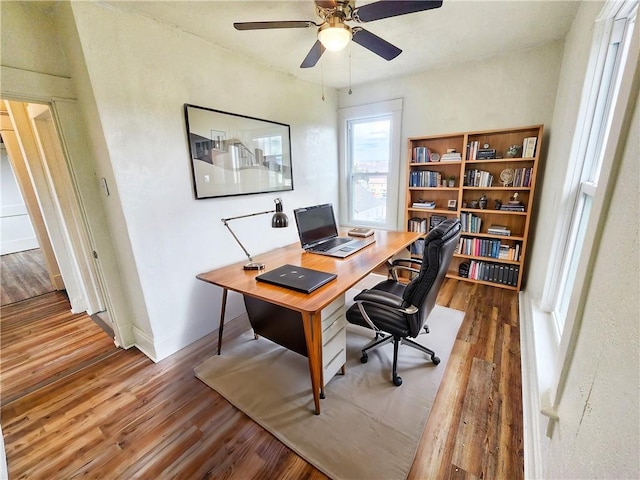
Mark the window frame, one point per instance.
(393, 110)
(591, 182)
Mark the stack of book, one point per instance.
(509, 252)
(478, 178)
(512, 207)
(421, 154)
(472, 149)
(486, 154)
(424, 204)
(498, 230)
(470, 223)
(522, 177)
(425, 178)
(417, 225)
(529, 147)
(493, 272)
(480, 247)
(451, 157)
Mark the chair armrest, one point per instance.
(399, 261)
(404, 264)
(385, 300)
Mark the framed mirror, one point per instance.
(233, 154)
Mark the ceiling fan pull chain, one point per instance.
(350, 69)
(322, 78)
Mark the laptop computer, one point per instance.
(319, 234)
(300, 279)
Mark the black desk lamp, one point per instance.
(279, 220)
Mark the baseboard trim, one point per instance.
(144, 343)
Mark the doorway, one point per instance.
(36, 157)
(28, 265)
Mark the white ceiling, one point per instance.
(458, 32)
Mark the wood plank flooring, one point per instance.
(41, 341)
(24, 275)
(122, 416)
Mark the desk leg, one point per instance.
(223, 307)
(313, 338)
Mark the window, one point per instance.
(369, 164)
(608, 59)
(271, 148)
(604, 102)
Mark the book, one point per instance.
(512, 208)
(498, 230)
(424, 204)
(486, 153)
(529, 147)
(417, 225)
(451, 157)
(360, 232)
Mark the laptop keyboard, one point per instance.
(329, 244)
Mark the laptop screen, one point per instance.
(315, 224)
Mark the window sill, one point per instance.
(539, 344)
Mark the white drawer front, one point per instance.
(334, 364)
(334, 343)
(330, 309)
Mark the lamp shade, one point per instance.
(279, 219)
(334, 35)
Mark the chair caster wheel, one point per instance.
(397, 381)
(435, 360)
(364, 358)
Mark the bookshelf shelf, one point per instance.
(497, 188)
(492, 284)
(440, 211)
(475, 211)
(468, 173)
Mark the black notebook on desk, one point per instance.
(300, 279)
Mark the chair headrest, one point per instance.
(444, 231)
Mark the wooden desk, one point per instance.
(349, 270)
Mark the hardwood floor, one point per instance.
(122, 416)
(24, 275)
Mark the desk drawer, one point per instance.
(334, 354)
(329, 331)
(334, 365)
(330, 309)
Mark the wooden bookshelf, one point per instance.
(494, 259)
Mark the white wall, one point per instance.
(16, 231)
(171, 236)
(39, 50)
(511, 90)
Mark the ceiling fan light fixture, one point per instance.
(334, 35)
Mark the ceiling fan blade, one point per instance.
(268, 25)
(313, 56)
(374, 43)
(391, 8)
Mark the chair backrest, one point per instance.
(422, 291)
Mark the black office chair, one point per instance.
(395, 310)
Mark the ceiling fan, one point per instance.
(334, 34)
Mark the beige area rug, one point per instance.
(368, 428)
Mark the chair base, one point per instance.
(382, 339)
